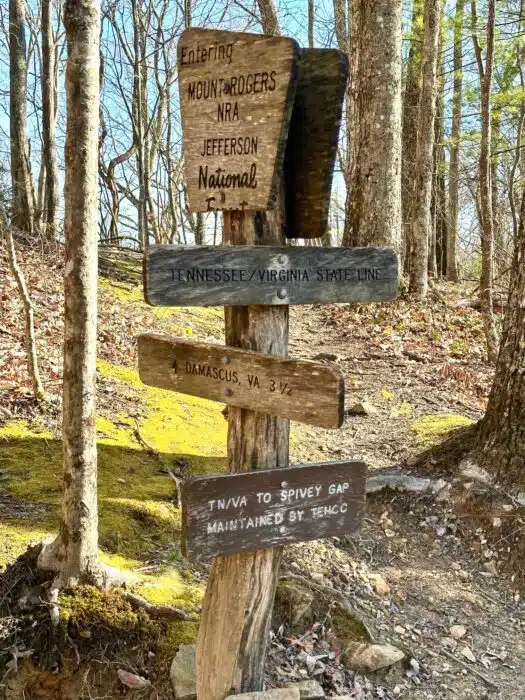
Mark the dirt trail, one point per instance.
(439, 568)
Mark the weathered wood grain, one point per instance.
(244, 512)
(312, 140)
(240, 275)
(237, 608)
(236, 97)
(303, 391)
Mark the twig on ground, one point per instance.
(470, 668)
(156, 610)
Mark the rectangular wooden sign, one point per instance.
(236, 97)
(312, 141)
(230, 513)
(303, 391)
(241, 275)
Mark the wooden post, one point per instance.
(238, 604)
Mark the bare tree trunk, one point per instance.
(424, 156)
(485, 184)
(113, 233)
(437, 259)
(410, 116)
(22, 204)
(48, 119)
(501, 442)
(311, 20)
(375, 199)
(345, 21)
(32, 359)
(138, 128)
(75, 553)
(455, 149)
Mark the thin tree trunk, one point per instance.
(424, 155)
(48, 119)
(113, 233)
(311, 20)
(437, 258)
(455, 150)
(345, 22)
(75, 551)
(501, 442)
(410, 117)
(22, 198)
(485, 184)
(375, 200)
(32, 359)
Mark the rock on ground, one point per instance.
(276, 694)
(182, 673)
(368, 658)
(308, 690)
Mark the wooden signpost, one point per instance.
(237, 93)
(313, 140)
(236, 98)
(213, 275)
(242, 513)
(303, 391)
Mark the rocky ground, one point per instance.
(425, 602)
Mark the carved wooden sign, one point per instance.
(240, 275)
(303, 391)
(236, 97)
(231, 513)
(312, 141)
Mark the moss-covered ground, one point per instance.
(143, 433)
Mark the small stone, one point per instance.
(396, 691)
(131, 680)
(389, 533)
(373, 657)
(496, 522)
(326, 356)
(121, 481)
(467, 653)
(491, 568)
(456, 566)
(317, 577)
(399, 630)
(308, 690)
(362, 408)
(182, 673)
(381, 587)
(458, 631)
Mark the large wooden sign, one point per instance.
(312, 141)
(240, 275)
(254, 510)
(236, 97)
(303, 391)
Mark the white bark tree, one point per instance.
(75, 551)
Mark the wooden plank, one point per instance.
(303, 391)
(312, 140)
(236, 98)
(240, 275)
(225, 514)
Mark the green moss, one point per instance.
(176, 633)
(437, 424)
(89, 607)
(22, 429)
(182, 320)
